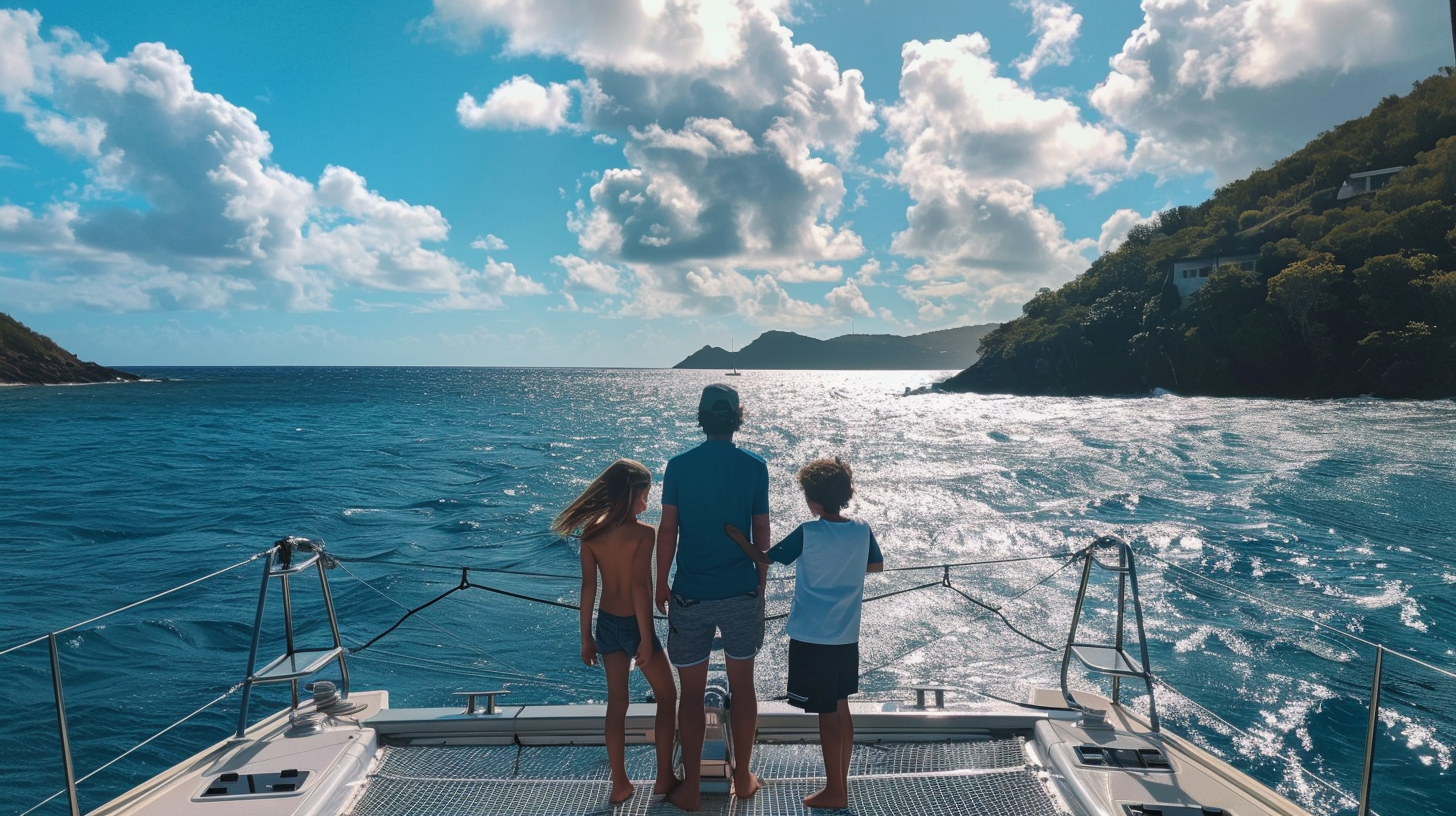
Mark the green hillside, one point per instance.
(27, 358)
(1346, 297)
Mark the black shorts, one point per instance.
(821, 675)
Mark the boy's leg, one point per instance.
(691, 728)
(618, 665)
(664, 726)
(846, 737)
(835, 792)
(743, 717)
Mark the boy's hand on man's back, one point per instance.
(736, 534)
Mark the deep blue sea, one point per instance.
(1344, 510)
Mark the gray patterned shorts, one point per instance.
(691, 625)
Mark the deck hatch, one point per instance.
(1128, 759)
(1131, 809)
(253, 785)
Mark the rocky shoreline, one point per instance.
(27, 358)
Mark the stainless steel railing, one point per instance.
(67, 765)
(1367, 762)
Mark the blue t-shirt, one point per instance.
(714, 484)
(829, 583)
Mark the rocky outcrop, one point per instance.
(27, 358)
(945, 349)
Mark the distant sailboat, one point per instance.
(733, 350)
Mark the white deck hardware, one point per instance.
(294, 664)
(490, 706)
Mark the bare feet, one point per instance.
(667, 785)
(748, 789)
(684, 799)
(823, 798)
(622, 790)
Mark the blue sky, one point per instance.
(619, 182)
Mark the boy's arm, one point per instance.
(749, 549)
(588, 602)
(642, 594)
(666, 549)
(877, 559)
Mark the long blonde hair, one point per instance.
(606, 502)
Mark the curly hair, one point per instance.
(827, 482)
(606, 502)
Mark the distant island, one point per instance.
(1331, 273)
(945, 349)
(27, 358)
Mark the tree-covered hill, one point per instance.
(1346, 297)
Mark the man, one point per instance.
(716, 587)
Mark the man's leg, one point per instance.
(691, 726)
(743, 717)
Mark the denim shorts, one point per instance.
(691, 625)
(619, 633)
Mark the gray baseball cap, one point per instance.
(719, 397)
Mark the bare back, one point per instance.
(619, 553)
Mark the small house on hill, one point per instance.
(1366, 182)
(1189, 274)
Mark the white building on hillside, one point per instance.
(1189, 274)
(1366, 182)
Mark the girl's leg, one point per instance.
(664, 727)
(618, 665)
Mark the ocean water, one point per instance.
(1344, 510)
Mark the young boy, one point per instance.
(834, 553)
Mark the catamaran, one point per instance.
(340, 751)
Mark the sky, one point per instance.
(620, 182)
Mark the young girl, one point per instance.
(619, 547)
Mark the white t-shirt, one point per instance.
(829, 584)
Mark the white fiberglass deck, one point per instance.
(991, 777)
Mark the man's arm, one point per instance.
(762, 540)
(666, 549)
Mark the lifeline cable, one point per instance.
(128, 752)
(466, 583)
(135, 604)
(448, 633)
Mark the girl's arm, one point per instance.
(588, 602)
(642, 594)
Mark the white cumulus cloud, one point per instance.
(590, 275)
(1229, 85)
(518, 104)
(971, 148)
(1114, 229)
(734, 134)
(1057, 27)
(186, 208)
